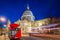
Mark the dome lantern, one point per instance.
(28, 6)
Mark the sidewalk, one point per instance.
(4, 37)
(46, 35)
(25, 35)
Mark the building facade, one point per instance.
(28, 22)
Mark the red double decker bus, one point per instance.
(14, 32)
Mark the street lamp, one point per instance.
(2, 19)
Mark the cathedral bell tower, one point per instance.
(28, 15)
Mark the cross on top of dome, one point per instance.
(27, 6)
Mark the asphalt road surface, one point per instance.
(38, 38)
(28, 38)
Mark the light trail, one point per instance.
(53, 28)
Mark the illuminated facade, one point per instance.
(7, 26)
(28, 21)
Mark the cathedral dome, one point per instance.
(28, 15)
(28, 11)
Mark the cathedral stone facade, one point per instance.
(28, 21)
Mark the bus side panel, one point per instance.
(18, 34)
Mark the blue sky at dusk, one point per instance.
(13, 9)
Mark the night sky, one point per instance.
(13, 9)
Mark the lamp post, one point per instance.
(2, 21)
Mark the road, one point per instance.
(28, 38)
(38, 38)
